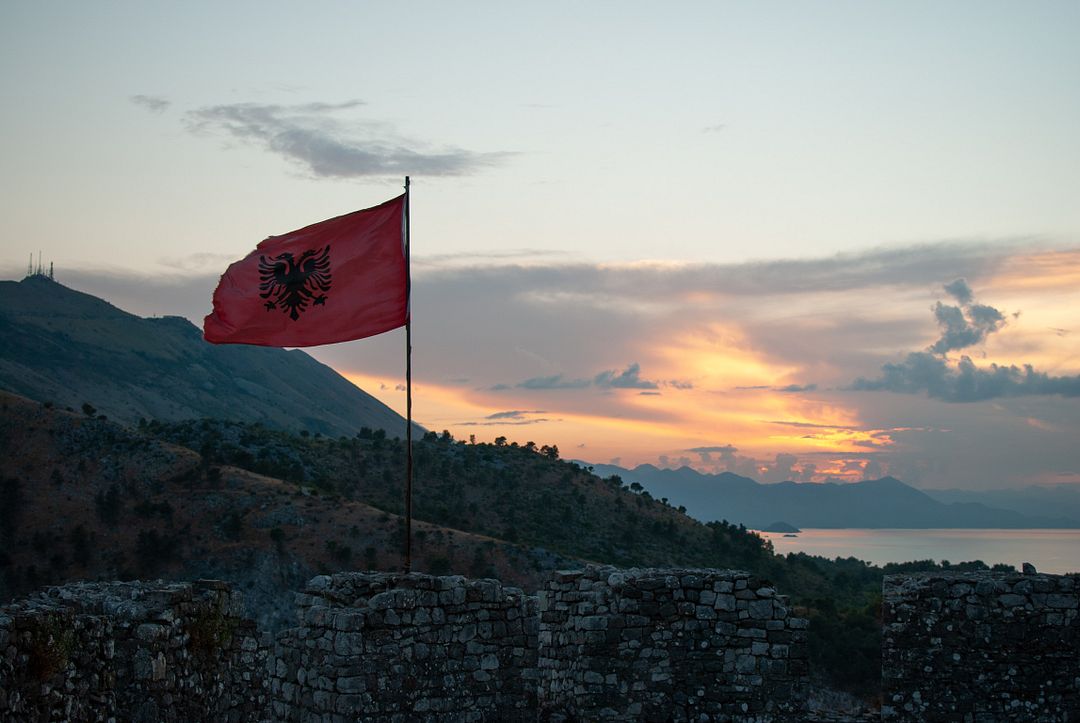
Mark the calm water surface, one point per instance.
(1055, 551)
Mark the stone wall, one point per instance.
(981, 647)
(381, 646)
(138, 651)
(668, 645)
(598, 644)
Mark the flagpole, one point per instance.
(408, 390)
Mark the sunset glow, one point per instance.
(827, 259)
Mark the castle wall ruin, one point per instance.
(138, 651)
(374, 646)
(595, 644)
(981, 647)
(668, 645)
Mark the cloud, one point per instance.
(508, 423)
(786, 389)
(198, 261)
(629, 378)
(727, 452)
(514, 414)
(714, 128)
(963, 326)
(556, 381)
(966, 382)
(311, 136)
(829, 320)
(960, 291)
(722, 449)
(153, 103)
(467, 258)
(810, 425)
(896, 267)
(512, 418)
(783, 467)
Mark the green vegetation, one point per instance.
(109, 505)
(526, 496)
(210, 632)
(11, 507)
(154, 550)
(51, 643)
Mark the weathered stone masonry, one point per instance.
(668, 645)
(653, 644)
(597, 644)
(378, 646)
(981, 647)
(133, 651)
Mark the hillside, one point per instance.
(70, 348)
(880, 503)
(84, 498)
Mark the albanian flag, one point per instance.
(336, 280)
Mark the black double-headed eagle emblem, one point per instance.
(293, 285)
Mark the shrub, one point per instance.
(51, 644)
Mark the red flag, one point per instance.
(337, 280)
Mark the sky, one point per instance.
(812, 241)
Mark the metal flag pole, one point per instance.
(408, 390)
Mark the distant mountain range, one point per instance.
(1037, 500)
(880, 503)
(70, 348)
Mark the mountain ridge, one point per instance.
(71, 348)
(880, 503)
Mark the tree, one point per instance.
(11, 505)
(88, 409)
(636, 487)
(109, 505)
(153, 550)
(500, 441)
(233, 525)
(278, 536)
(80, 545)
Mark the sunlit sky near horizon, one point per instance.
(790, 240)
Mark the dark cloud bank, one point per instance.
(930, 373)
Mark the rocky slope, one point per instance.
(70, 348)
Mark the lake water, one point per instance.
(1055, 551)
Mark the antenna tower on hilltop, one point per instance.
(39, 269)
